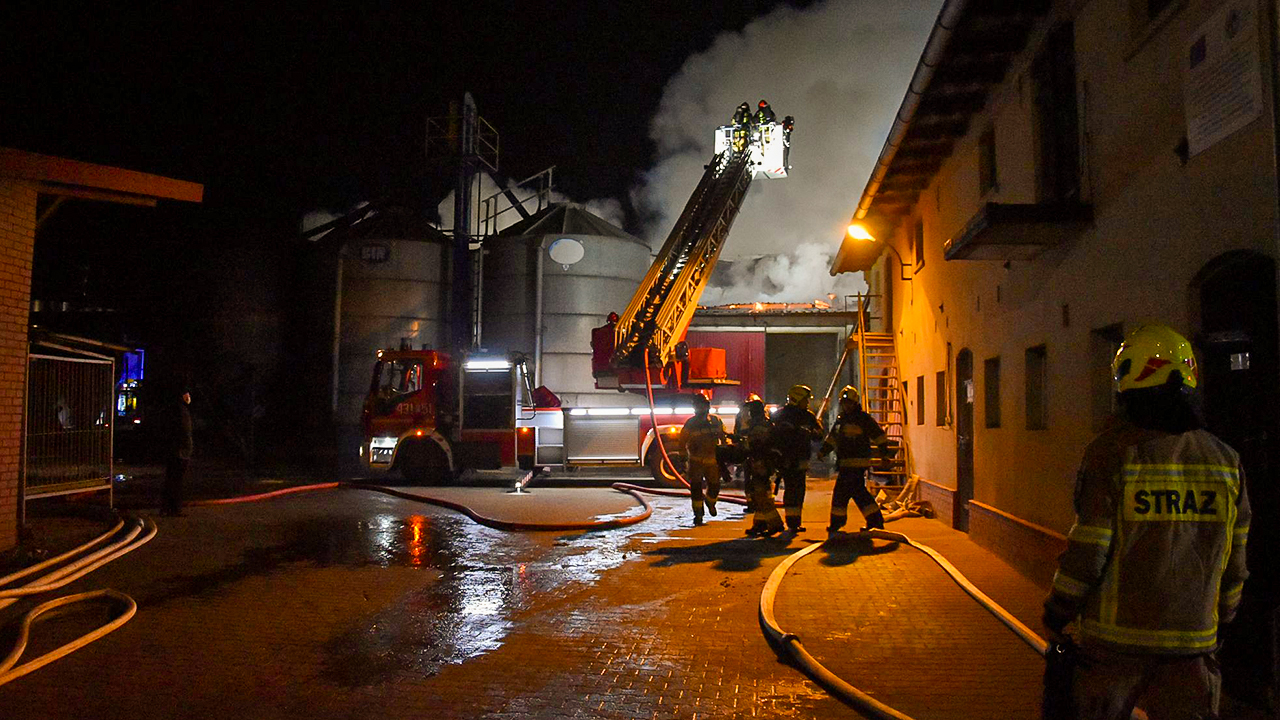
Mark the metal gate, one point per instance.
(70, 420)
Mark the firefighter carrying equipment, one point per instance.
(1156, 558)
(799, 395)
(852, 436)
(1149, 355)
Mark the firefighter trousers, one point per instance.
(765, 517)
(701, 471)
(1108, 684)
(851, 483)
(793, 478)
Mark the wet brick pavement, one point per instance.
(355, 605)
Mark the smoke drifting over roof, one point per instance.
(840, 68)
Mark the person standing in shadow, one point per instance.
(181, 443)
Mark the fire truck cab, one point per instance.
(430, 416)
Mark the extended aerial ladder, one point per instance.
(653, 326)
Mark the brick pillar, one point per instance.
(17, 241)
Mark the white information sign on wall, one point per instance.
(1223, 88)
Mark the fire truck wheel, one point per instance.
(660, 470)
(424, 463)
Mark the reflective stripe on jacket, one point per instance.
(1156, 557)
(700, 436)
(794, 428)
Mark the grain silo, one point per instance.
(388, 285)
(548, 280)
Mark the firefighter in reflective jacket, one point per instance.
(1155, 559)
(699, 438)
(852, 436)
(795, 427)
(752, 428)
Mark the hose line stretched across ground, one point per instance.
(851, 695)
(451, 505)
(139, 533)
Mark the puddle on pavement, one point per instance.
(485, 577)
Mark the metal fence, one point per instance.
(70, 418)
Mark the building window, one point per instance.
(1037, 393)
(1104, 343)
(987, 179)
(991, 391)
(1057, 134)
(920, 400)
(917, 242)
(940, 383)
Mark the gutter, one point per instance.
(939, 38)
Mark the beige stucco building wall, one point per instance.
(1157, 222)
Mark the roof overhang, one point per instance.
(1001, 231)
(971, 47)
(73, 178)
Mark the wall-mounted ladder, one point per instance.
(881, 386)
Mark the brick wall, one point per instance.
(942, 499)
(1029, 548)
(17, 240)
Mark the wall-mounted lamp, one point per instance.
(858, 231)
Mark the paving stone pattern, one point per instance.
(355, 605)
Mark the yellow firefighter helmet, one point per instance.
(849, 393)
(799, 395)
(1149, 355)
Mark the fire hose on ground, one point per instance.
(139, 531)
(790, 643)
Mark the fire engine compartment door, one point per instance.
(595, 439)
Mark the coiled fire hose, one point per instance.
(136, 533)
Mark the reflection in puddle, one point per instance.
(483, 579)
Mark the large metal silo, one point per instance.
(389, 289)
(524, 280)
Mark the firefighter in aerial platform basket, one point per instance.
(1156, 557)
(795, 428)
(699, 438)
(741, 126)
(752, 428)
(851, 436)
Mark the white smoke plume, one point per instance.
(505, 216)
(798, 276)
(841, 68)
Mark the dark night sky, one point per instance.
(277, 113)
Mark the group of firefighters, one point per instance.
(746, 122)
(1154, 563)
(781, 445)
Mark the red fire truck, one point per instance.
(430, 417)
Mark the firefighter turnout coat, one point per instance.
(852, 436)
(1156, 557)
(700, 437)
(794, 428)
